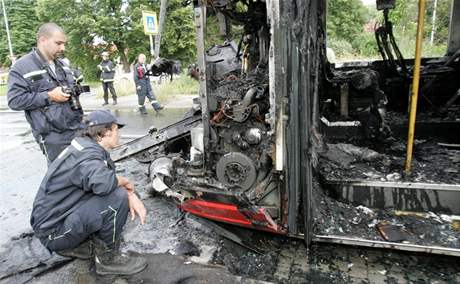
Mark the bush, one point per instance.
(365, 44)
(167, 90)
(182, 85)
(341, 48)
(123, 87)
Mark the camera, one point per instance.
(75, 91)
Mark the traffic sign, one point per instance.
(150, 23)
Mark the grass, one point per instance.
(3, 89)
(406, 46)
(123, 87)
(181, 85)
(166, 90)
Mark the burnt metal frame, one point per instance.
(454, 31)
(299, 39)
(199, 9)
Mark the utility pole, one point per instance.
(433, 22)
(163, 6)
(10, 47)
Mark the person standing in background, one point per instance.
(143, 87)
(107, 69)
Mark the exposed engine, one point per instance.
(237, 163)
(241, 146)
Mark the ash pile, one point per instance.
(433, 162)
(333, 217)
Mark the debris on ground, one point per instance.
(432, 163)
(333, 217)
(24, 257)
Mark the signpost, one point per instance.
(151, 27)
(8, 36)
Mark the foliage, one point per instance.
(116, 26)
(341, 47)
(3, 89)
(346, 19)
(342, 26)
(404, 19)
(123, 87)
(365, 44)
(442, 20)
(23, 24)
(179, 86)
(178, 40)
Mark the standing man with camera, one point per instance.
(37, 84)
(107, 69)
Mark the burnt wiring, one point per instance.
(388, 47)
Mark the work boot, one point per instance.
(158, 108)
(105, 103)
(114, 101)
(142, 110)
(110, 261)
(84, 250)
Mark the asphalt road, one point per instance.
(22, 167)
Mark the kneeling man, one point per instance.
(82, 205)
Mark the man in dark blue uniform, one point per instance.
(107, 69)
(143, 87)
(35, 85)
(82, 205)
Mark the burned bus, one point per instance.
(284, 141)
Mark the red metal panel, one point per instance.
(229, 213)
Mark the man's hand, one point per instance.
(100, 67)
(138, 87)
(57, 95)
(124, 182)
(136, 207)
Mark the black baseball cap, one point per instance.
(100, 117)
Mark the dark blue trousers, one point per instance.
(103, 216)
(147, 91)
(106, 86)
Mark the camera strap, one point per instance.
(45, 66)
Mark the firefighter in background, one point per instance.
(107, 69)
(143, 87)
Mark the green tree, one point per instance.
(441, 22)
(404, 18)
(115, 25)
(345, 19)
(179, 40)
(23, 24)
